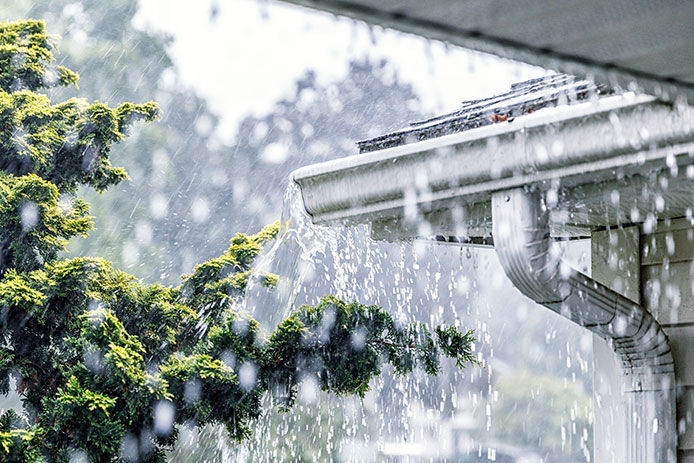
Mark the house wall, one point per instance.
(656, 269)
(667, 291)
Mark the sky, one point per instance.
(249, 53)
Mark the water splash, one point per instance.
(449, 416)
(293, 257)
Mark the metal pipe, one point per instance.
(522, 242)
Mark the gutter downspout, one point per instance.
(522, 242)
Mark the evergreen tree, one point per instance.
(108, 366)
(99, 40)
(158, 213)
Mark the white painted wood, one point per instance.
(614, 263)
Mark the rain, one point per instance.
(254, 91)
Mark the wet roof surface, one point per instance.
(523, 98)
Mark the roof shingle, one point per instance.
(523, 98)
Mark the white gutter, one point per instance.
(522, 242)
(597, 138)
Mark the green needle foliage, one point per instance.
(107, 367)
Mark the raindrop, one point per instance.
(191, 391)
(129, 449)
(29, 216)
(158, 206)
(274, 153)
(248, 374)
(200, 209)
(163, 418)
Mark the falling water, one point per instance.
(444, 417)
(293, 257)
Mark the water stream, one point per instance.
(293, 257)
(416, 418)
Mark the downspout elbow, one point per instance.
(522, 242)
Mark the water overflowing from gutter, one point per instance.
(445, 417)
(293, 257)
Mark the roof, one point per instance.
(617, 43)
(523, 98)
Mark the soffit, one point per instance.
(616, 43)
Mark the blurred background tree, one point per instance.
(532, 409)
(190, 193)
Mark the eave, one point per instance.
(623, 43)
(604, 163)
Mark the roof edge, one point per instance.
(614, 76)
